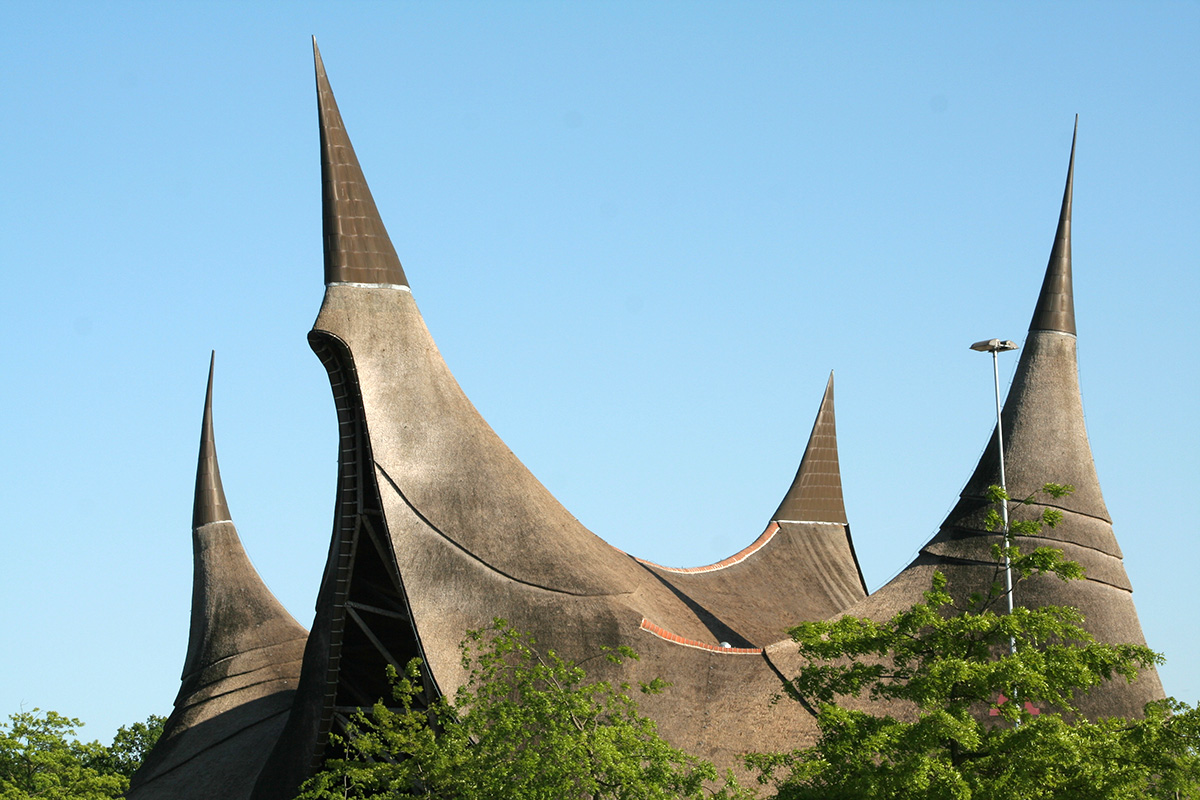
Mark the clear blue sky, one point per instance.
(642, 235)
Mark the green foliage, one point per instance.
(1042, 560)
(865, 757)
(940, 672)
(526, 725)
(40, 757)
(130, 746)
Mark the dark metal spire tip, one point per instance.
(209, 505)
(318, 63)
(816, 492)
(357, 247)
(1055, 309)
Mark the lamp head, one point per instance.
(994, 346)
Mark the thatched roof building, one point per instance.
(439, 528)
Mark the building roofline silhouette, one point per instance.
(439, 528)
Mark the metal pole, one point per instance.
(1008, 586)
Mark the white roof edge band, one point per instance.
(399, 286)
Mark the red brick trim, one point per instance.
(736, 558)
(663, 633)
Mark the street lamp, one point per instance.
(996, 346)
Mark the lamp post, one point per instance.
(995, 347)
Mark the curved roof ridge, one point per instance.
(475, 556)
(737, 558)
(675, 638)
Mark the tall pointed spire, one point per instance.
(1055, 309)
(357, 247)
(209, 505)
(1045, 437)
(242, 662)
(1045, 440)
(816, 492)
(230, 604)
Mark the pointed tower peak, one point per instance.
(1045, 434)
(1056, 304)
(816, 492)
(209, 505)
(357, 247)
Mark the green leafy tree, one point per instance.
(40, 757)
(940, 670)
(130, 746)
(526, 725)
